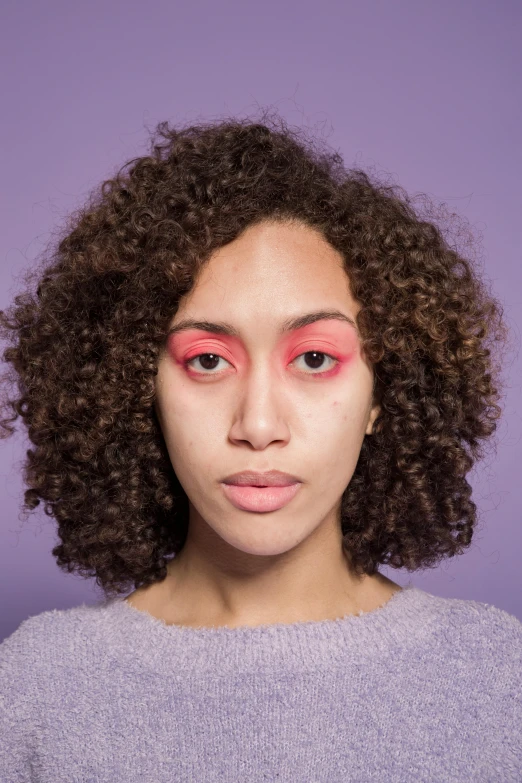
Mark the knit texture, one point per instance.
(421, 689)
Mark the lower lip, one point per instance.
(260, 498)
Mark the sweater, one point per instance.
(423, 688)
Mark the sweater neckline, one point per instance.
(292, 627)
(150, 641)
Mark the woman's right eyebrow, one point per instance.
(290, 325)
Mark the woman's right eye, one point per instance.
(207, 361)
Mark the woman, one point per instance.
(251, 377)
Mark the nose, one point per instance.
(261, 415)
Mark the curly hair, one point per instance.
(86, 332)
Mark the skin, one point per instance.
(265, 403)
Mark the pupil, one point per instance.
(203, 360)
(317, 362)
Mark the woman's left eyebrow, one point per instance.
(290, 325)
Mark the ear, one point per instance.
(373, 415)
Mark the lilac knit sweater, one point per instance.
(422, 689)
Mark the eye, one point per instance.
(206, 359)
(209, 361)
(317, 360)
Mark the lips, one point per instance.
(252, 490)
(270, 478)
(249, 498)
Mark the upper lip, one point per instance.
(253, 478)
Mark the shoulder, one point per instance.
(464, 614)
(28, 657)
(481, 620)
(48, 641)
(39, 628)
(481, 639)
(468, 619)
(43, 665)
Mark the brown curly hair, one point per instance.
(84, 347)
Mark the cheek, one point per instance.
(343, 434)
(175, 409)
(190, 426)
(341, 416)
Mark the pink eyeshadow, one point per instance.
(332, 337)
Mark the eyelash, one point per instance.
(212, 372)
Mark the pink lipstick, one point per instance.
(253, 498)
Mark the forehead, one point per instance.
(273, 276)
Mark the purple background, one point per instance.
(428, 92)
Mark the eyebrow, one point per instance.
(289, 325)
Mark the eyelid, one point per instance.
(313, 342)
(315, 346)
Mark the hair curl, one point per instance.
(84, 348)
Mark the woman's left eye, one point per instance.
(315, 363)
(317, 360)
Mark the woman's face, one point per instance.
(265, 397)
